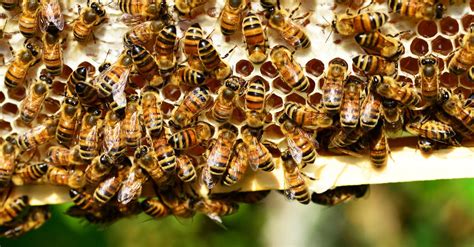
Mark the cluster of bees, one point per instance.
(110, 135)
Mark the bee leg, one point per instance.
(228, 53)
(368, 5)
(308, 176)
(294, 10)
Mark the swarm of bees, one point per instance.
(114, 139)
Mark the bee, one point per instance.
(333, 88)
(147, 159)
(10, 5)
(155, 208)
(307, 117)
(462, 59)
(89, 18)
(348, 24)
(255, 38)
(191, 137)
(453, 106)
(219, 155)
(52, 53)
(51, 19)
(179, 207)
(113, 135)
(59, 176)
(77, 76)
(68, 120)
(387, 87)
(343, 138)
(8, 154)
(255, 95)
(350, 106)
(370, 111)
(165, 154)
(99, 167)
(290, 71)
(431, 129)
(186, 171)
(214, 209)
(28, 21)
(290, 31)
(35, 218)
(191, 39)
(392, 113)
(144, 62)
(62, 156)
(31, 173)
(143, 34)
(193, 103)
(152, 115)
(82, 200)
(115, 77)
(295, 183)
(109, 187)
(419, 9)
(38, 135)
(131, 124)
(426, 145)
(238, 164)
(185, 7)
(89, 134)
(32, 104)
(23, 61)
(231, 16)
(258, 155)
(379, 148)
(377, 43)
(300, 144)
(211, 60)
(165, 47)
(143, 8)
(339, 195)
(132, 185)
(457, 125)
(13, 208)
(429, 71)
(224, 103)
(188, 76)
(375, 65)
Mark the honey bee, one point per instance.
(339, 195)
(255, 95)
(457, 125)
(290, 31)
(211, 60)
(73, 178)
(307, 117)
(348, 24)
(68, 120)
(132, 185)
(114, 139)
(155, 208)
(8, 154)
(77, 76)
(191, 39)
(13, 208)
(35, 218)
(87, 93)
(143, 34)
(431, 129)
(290, 71)
(38, 135)
(31, 173)
(186, 171)
(193, 103)
(62, 156)
(143, 8)
(99, 167)
(295, 183)
(238, 164)
(147, 159)
(131, 124)
(23, 61)
(89, 18)
(258, 155)
(214, 209)
(231, 16)
(453, 106)
(300, 144)
(52, 53)
(112, 80)
(32, 104)
(375, 65)
(392, 113)
(144, 62)
(255, 38)
(462, 59)
(152, 115)
(185, 7)
(429, 71)
(224, 103)
(109, 187)
(28, 21)
(377, 43)
(343, 138)
(219, 155)
(370, 111)
(379, 148)
(165, 155)
(419, 9)
(82, 200)
(387, 87)
(350, 107)
(188, 76)
(333, 88)
(179, 207)
(165, 48)
(51, 19)
(191, 137)
(89, 134)
(426, 145)
(10, 5)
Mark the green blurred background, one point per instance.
(436, 213)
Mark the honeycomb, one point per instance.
(440, 37)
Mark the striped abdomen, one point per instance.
(369, 21)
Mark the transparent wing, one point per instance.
(254, 152)
(118, 89)
(131, 187)
(295, 151)
(51, 14)
(207, 179)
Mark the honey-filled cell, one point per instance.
(267, 69)
(10, 109)
(17, 93)
(2, 97)
(409, 65)
(419, 47)
(171, 92)
(51, 105)
(274, 101)
(58, 88)
(296, 98)
(5, 127)
(441, 45)
(279, 84)
(449, 80)
(314, 67)
(244, 67)
(449, 26)
(427, 29)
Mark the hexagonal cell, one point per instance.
(274, 101)
(427, 29)
(244, 67)
(314, 67)
(441, 45)
(440, 63)
(5, 127)
(267, 69)
(137, 81)
(419, 47)
(2, 97)
(294, 97)
(213, 84)
(17, 93)
(10, 109)
(273, 132)
(466, 21)
(51, 105)
(58, 87)
(409, 65)
(268, 118)
(66, 72)
(449, 26)
(449, 80)
(315, 98)
(279, 84)
(238, 116)
(311, 87)
(171, 92)
(166, 108)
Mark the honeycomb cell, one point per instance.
(315, 98)
(5, 127)
(137, 81)
(441, 45)
(314, 67)
(166, 108)
(273, 132)
(274, 101)
(213, 84)
(440, 64)
(268, 118)
(58, 87)
(419, 47)
(267, 69)
(2, 97)
(311, 87)
(244, 67)
(321, 83)
(10, 109)
(409, 65)
(466, 21)
(427, 29)
(171, 92)
(66, 72)
(238, 116)
(51, 105)
(17, 93)
(90, 68)
(294, 97)
(279, 84)
(449, 80)
(449, 26)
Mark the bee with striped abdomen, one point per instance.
(300, 144)
(231, 16)
(420, 9)
(147, 159)
(165, 154)
(307, 117)
(191, 39)
(23, 61)
(30, 173)
(145, 63)
(255, 103)
(333, 88)
(193, 103)
(152, 115)
(433, 130)
(429, 78)
(38, 135)
(259, 157)
(28, 21)
(185, 169)
(132, 126)
(186, 7)
(211, 60)
(295, 184)
(32, 104)
(62, 156)
(348, 24)
(35, 218)
(8, 154)
(339, 195)
(191, 137)
(99, 167)
(115, 77)
(350, 106)
(89, 18)
(224, 104)
(370, 110)
(453, 105)
(255, 38)
(77, 76)
(463, 57)
(237, 165)
(187, 75)
(73, 178)
(81, 200)
(132, 185)
(291, 32)
(457, 125)
(108, 188)
(165, 49)
(379, 149)
(387, 87)
(89, 134)
(219, 155)
(52, 53)
(69, 115)
(114, 140)
(144, 8)
(343, 138)
(12, 208)
(377, 43)
(214, 209)
(143, 34)
(375, 65)
(155, 208)
(289, 69)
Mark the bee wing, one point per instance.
(131, 187)
(295, 151)
(118, 89)
(310, 138)
(206, 178)
(51, 13)
(253, 149)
